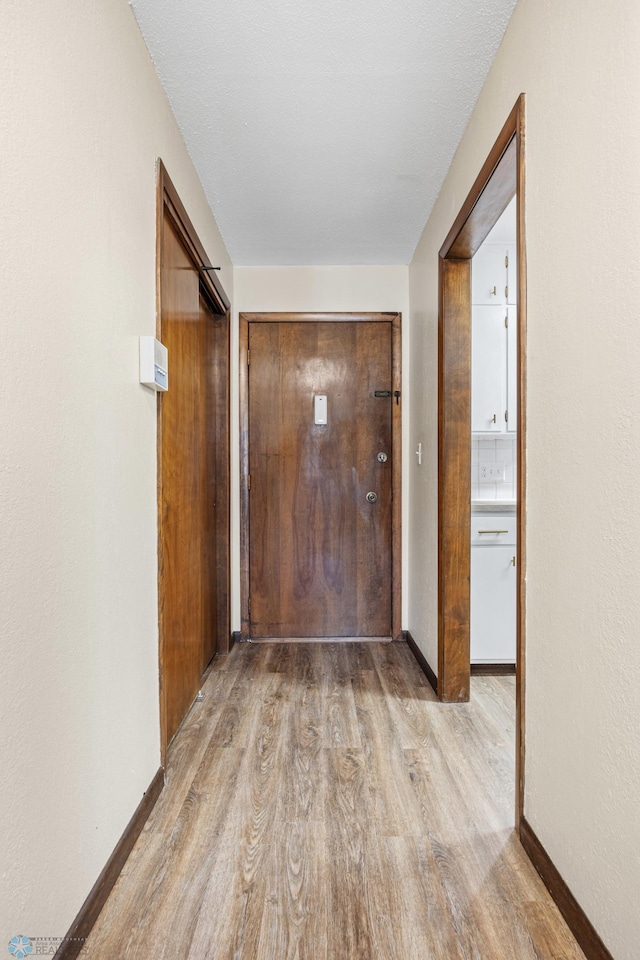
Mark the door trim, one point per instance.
(502, 175)
(169, 202)
(396, 447)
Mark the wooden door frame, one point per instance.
(502, 176)
(396, 447)
(169, 202)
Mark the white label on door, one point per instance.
(320, 408)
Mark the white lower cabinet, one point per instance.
(493, 588)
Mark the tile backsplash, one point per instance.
(487, 450)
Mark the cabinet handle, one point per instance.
(492, 531)
(513, 562)
(493, 420)
(493, 292)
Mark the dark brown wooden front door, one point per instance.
(320, 552)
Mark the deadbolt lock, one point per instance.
(382, 458)
(372, 497)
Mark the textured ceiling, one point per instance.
(322, 131)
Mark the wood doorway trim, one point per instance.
(169, 205)
(502, 176)
(396, 425)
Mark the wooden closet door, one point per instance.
(188, 523)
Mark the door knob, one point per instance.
(382, 458)
(372, 497)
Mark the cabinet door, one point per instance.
(489, 274)
(512, 274)
(488, 364)
(512, 369)
(493, 605)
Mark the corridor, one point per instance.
(321, 804)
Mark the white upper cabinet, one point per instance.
(488, 366)
(489, 275)
(512, 274)
(512, 370)
(494, 330)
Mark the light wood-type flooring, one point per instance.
(322, 805)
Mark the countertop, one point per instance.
(493, 506)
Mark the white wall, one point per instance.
(82, 120)
(579, 64)
(309, 289)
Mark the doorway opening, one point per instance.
(501, 179)
(494, 415)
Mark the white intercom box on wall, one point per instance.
(154, 364)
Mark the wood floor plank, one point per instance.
(394, 806)
(230, 919)
(488, 852)
(301, 796)
(256, 800)
(240, 712)
(348, 814)
(295, 919)
(509, 929)
(212, 936)
(547, 931)
(361, 656)
(496, 696)
(406, 696)
(242, 879)
(321, 804)
(425, 926)
(339, 720)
